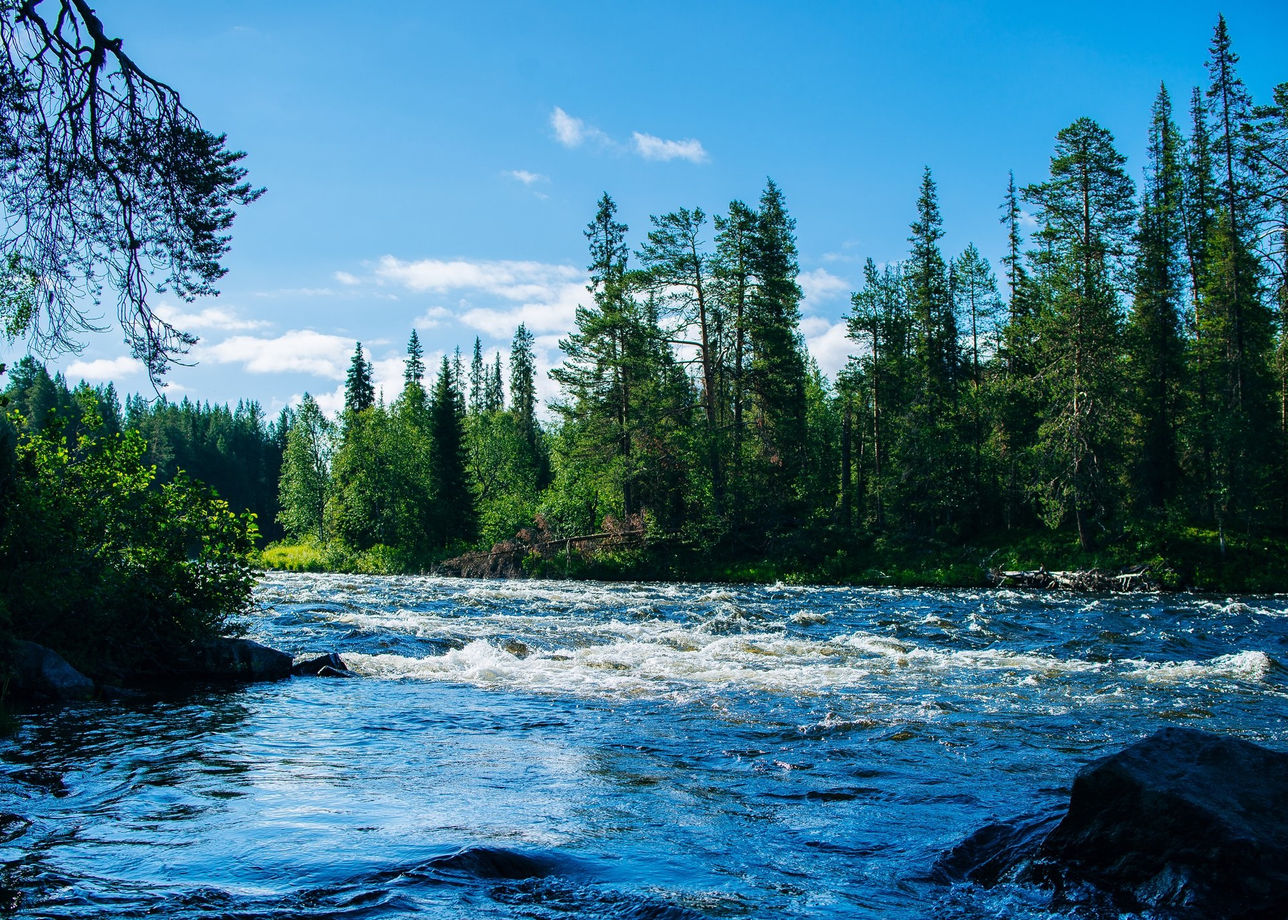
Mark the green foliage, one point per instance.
(104, 563)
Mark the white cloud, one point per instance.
(573, 132)
(432, 317)
(209, 318)
(103, 369)
(828, 342)
(331, 404)
(657, 148)
(346, 279)
(527, 178)
(297, 292)
(387, 377)
(820, 284)
(554, 312)
(300, 350)
(531, 282)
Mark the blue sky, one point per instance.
(433, 165)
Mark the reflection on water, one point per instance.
(548, 749)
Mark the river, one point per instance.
(540, 749)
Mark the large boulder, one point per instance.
(39, 673)
(235, 660)
(1184, 824)
(1183, 821)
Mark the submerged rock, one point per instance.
(328, 665)
(1184, 823)
(42, 674)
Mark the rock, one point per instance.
(1183, 821)
(41, 673)
(1184, 825)
(239, 660)
(328, 665)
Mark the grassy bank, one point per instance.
(1177, 559)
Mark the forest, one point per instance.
(1114, 393)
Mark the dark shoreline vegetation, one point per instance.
(1123, 409)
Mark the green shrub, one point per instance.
(102, 563)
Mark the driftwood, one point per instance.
(505, 559)
(1089, 580)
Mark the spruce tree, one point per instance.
(359, 391)
(414, 372)
(476, 378)
(776, 376)
(455, 516)
(523, 382)
(493, 388)
(1155, 346)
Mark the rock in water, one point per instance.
(235, 660)
(41, 673)
(1184, 822)
(328, 665)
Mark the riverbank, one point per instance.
(1167, 559)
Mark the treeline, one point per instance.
(233, 450)
(1128, 380)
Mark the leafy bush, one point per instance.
(102, 563)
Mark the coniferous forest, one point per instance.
(1113, 393)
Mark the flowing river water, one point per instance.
(544, 749)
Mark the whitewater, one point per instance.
(578, 749)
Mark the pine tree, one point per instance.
(359, 391)
(1234, 327)
(1086, 212)
(680, 270)
(732, 271)
(604, 360)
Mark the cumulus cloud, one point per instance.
(103, 369)
(209, 318)
(820, 284)
(828, 343)
(347, 279)
(656, 148)
(432, 317)
(513, 280)
(555, 312)
(299, 350)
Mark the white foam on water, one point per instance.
(1250, 666)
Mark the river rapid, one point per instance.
(539, 749)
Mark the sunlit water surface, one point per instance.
(560, 749)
